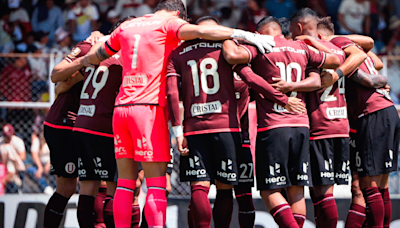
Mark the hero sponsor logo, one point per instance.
(101, 172)
(87, 110)
(275, 170)
(206, 108)
(304, 176)
(227, 165)
(328, 173)
(336, 113)
(118, 149)
(345, 171)
(142, 144)
(389, 163)
(193, 163)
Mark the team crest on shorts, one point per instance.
(70, 167)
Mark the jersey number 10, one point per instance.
(286, 74)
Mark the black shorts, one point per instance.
(377, 142)
(96, 157)
(170, 165)
(63, 153)
(353, 150)
(330, 160)
(244, 161)
(211, 157)
(282, 158)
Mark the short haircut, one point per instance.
(119, 23)
(266, 20)
(173, 5)
(285, 26)
(206, 18)
(325, 23)
(303, 13)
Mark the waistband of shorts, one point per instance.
(209, 131)
(282, 126)
(87, 131)
(58, 126)
(329, 136)
(126, 105)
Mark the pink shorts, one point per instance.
(141, 133)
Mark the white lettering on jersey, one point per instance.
(140, 24)
(206, 108)
(289, 49)
(336, 113)
(200, 45)
(87, 110)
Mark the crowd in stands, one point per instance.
(54, 26)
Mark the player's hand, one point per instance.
(328, 78)
(295, 105)
(39, 173)
(86, 63)
(262, 42)
(94, 37)
(306, 38)
(387, 88)
(182, 145)
(281, 85)
(46, 169)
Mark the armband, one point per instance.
(339, 72)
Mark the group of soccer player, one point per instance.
(118, 92)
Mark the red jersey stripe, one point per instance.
(280, 126)
(57, 126)
(93, 132)
(212, 131)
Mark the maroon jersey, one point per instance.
(243, 99)
(327, 111)
(208, 91)
(360, 99)
(98, 95)
(62, 113)
(288, 60)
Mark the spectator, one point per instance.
(354, 17)
(112, 18)
(318, 6)
(125, 8)
(68, 6)
(230, 16)
(41, 159)
(252, 15)
(15, 81)
(146, 8)
(6, 43)
(47, 18)
(332, 9)
(14, 150)
(204, 8)
(19, 17)
(102, 5)
(62, 47)
(39, 73)
(280, 8)
(83, 19)
(42, 41)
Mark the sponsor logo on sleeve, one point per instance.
(87, 110)
(206, 108)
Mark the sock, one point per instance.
(316, 209)
(388, 207)
(300, 219)
(144, 224)
(122, 205)
(108, 216)
(283, 216)
(99, 206)
(223, 208)
(54, 211)
(247, 212)
(356, 216)
(86, 211)
(327, 211)
(375, 210)
(156, 201)
(135, 216)
(189, 218)
(200, 207)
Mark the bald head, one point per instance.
(304, 22)
(269, 26)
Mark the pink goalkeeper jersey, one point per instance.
(145, 45)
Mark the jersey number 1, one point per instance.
(135, 51)
(212, 71)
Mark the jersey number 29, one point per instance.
(92, 78)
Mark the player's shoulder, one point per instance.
(80, 49)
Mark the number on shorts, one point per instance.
(135, 51)
(358, 159)
(244, 165)
(212, 71)
(286, 74)
(96, 85)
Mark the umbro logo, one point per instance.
(275, 169)
(97, 162)
(193, 162)
(225, 165)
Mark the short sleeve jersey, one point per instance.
(288, 60)
(98, 95)
(243, 99)
(207, 87)
(360, 99)
(327, 111)
(62, 113)
(145, 45)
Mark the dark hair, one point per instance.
(303, 13)
(266, 20)
(206, 18)
(325, 23)
(285, 26)
(119, 23)
(173, 5)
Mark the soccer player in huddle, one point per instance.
(145, 44)
(283, 136)
(375, 124)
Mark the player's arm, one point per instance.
(261, 86)
(366, 42)
(313, 42)
(309, 84)
(66, 85)
(369, 80)
(96, 55)
(378, 62)
(234, 54)
(65, 69)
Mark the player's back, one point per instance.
(145, 43)
(98, 95)
(288, 60)
(327, 110)
(208, 91)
